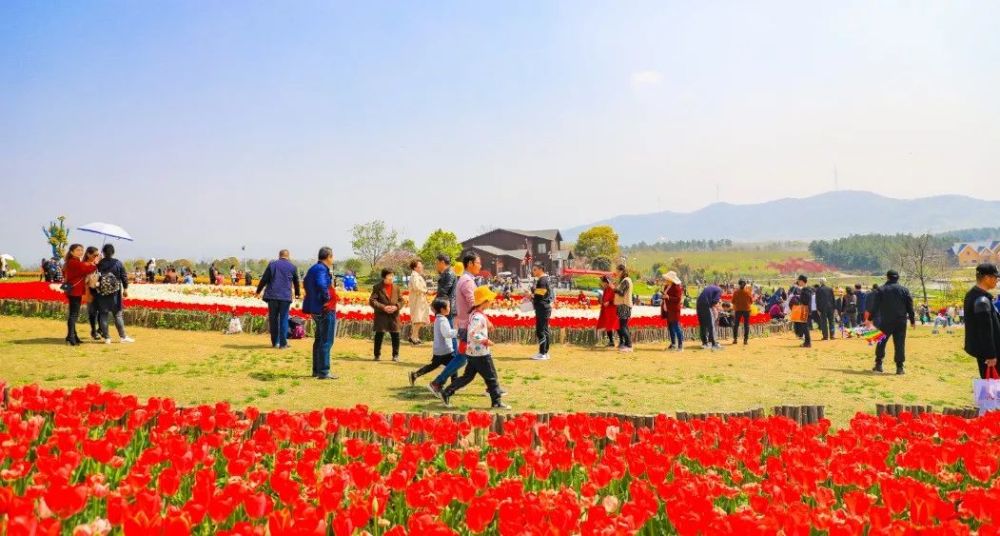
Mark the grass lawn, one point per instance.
(195, 367)
(742, 263)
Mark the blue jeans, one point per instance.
(277, 321)
(676, 335)
(326, 329)
(452, 368)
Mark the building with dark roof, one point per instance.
(505, 250)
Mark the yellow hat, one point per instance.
(459, 268)
(482, 295)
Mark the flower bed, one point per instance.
(88, 461)
(189, 298)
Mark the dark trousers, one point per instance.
(92, 317)
(325, 330)
(611, 337)
(982, 367)
(705, 328)
(848, 320)
(896, 332)
(102, 321)
(827, 324)
(542, 329)
(745, 317)
(74, 316)
(437, 361)
(624, 337)
(483, 366)
(277, 322)
(379, 335)
(802, 330)
(676, 335)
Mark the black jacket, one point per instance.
(446, 288)
(982, 325)
(891, 304)
(824, 299)
(113, 302)
(543, 296)
(805, 295)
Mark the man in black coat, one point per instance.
(982, 322)
(891, 306)
(446, 287)
(825, 305)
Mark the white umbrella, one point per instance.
(107, 230)
(7, 257)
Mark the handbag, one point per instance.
(800, 314)
(986, 392)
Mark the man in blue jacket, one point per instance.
(276, 284)
(318, 304)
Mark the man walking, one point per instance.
(542, 299)
(982, 323)
(862, 298)
(742, 305)
(464, 302)
(319, 304)
(891, 306)
(276, 285)
(825, 304)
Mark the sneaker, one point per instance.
(377, 358)
(717, 348)
(671, 347)
(107, 341)
(127, 340)
(395, 359)
(877, 368)
(413, 378)
(327, 377)
(501, 392)
(540, 357)
(276, 347)
(94, 335)
(706, 347)
(679, 349)
(435, 389)
(899, 370)
(537, 356)
(446, 398)
(499, 405)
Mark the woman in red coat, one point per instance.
(673, 297)
(74, 275)
(608, 321)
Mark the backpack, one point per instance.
(108, 284)
(297, 331)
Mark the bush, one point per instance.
(587, 282)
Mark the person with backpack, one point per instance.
(280, 278)
(76, 274)
(112, 286)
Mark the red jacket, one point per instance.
(609, 313)
(672, 300)
(74, 273)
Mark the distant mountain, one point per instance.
(829, 215)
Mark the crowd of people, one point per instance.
(461, 326)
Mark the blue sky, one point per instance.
(202, 126)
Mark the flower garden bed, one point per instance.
(88, 461)
(210, 308)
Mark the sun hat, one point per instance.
(672, 277)
(482, 295)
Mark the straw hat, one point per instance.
(672, 277)
(482, 295)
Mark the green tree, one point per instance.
(440, 241)
(601, 263)
(353, 265)
(372, 240)
(409, 246)
(600, 241)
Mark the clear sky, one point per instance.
(201, 126)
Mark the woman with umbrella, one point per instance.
(112, 286)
